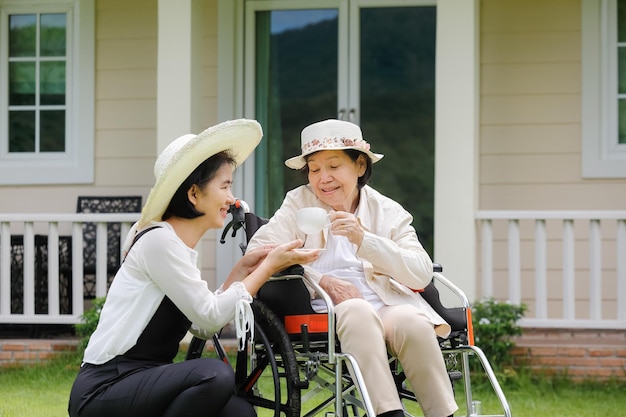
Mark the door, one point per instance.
(370, 62)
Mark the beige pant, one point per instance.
(366, 334)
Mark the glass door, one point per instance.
(394, 103)
(370, 62)
(295, 68)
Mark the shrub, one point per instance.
(89, 322)
(495, 324)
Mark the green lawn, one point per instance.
(42, 391)
(37, 391)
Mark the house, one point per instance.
(502, 122)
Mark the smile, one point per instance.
(328, 190)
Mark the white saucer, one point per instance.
(308, 250)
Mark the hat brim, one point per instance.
(240, 137)
(298, 162)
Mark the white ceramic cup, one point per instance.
(312, 220)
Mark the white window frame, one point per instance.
(76, 164)
(602, 155)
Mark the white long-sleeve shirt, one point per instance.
(158, 265)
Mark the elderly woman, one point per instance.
(158, 293)
(371, 264)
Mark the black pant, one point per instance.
(123, 387)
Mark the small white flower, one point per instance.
(484, 321)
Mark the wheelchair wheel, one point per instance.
(266, 373)
(269, 378)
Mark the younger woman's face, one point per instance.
(215, 198)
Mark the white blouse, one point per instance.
(159, 264)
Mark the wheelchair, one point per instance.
(295, 357)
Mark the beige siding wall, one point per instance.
(208, 87)
(530, 139)
(126, 47)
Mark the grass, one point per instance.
(530, 395)
(43, 390)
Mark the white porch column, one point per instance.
(456, 140)
(178, 69)
(178, 87)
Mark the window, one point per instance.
(604, 88)
(46, 85)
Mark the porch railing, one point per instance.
(52, 228)
(568, 267)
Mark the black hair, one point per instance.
(180, 206)
(353, 154)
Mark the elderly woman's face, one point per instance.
(333, 176)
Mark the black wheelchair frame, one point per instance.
(295, 355)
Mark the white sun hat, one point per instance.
(184, 154)
(328, 135)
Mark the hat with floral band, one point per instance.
(329, 135)
(184, 154)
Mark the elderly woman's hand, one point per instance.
(338, 289)
(346, 224)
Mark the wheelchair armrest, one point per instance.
(439, 277)
(331, 317)
(459, 318)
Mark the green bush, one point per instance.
(495, 324)
(89, 322)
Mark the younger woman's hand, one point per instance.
(247, 264)
(251, 260)
(290, 254)
(258, 265)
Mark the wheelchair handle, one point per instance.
(238, 211)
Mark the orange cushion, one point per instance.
(317, 323)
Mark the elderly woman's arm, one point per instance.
(399, 254)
